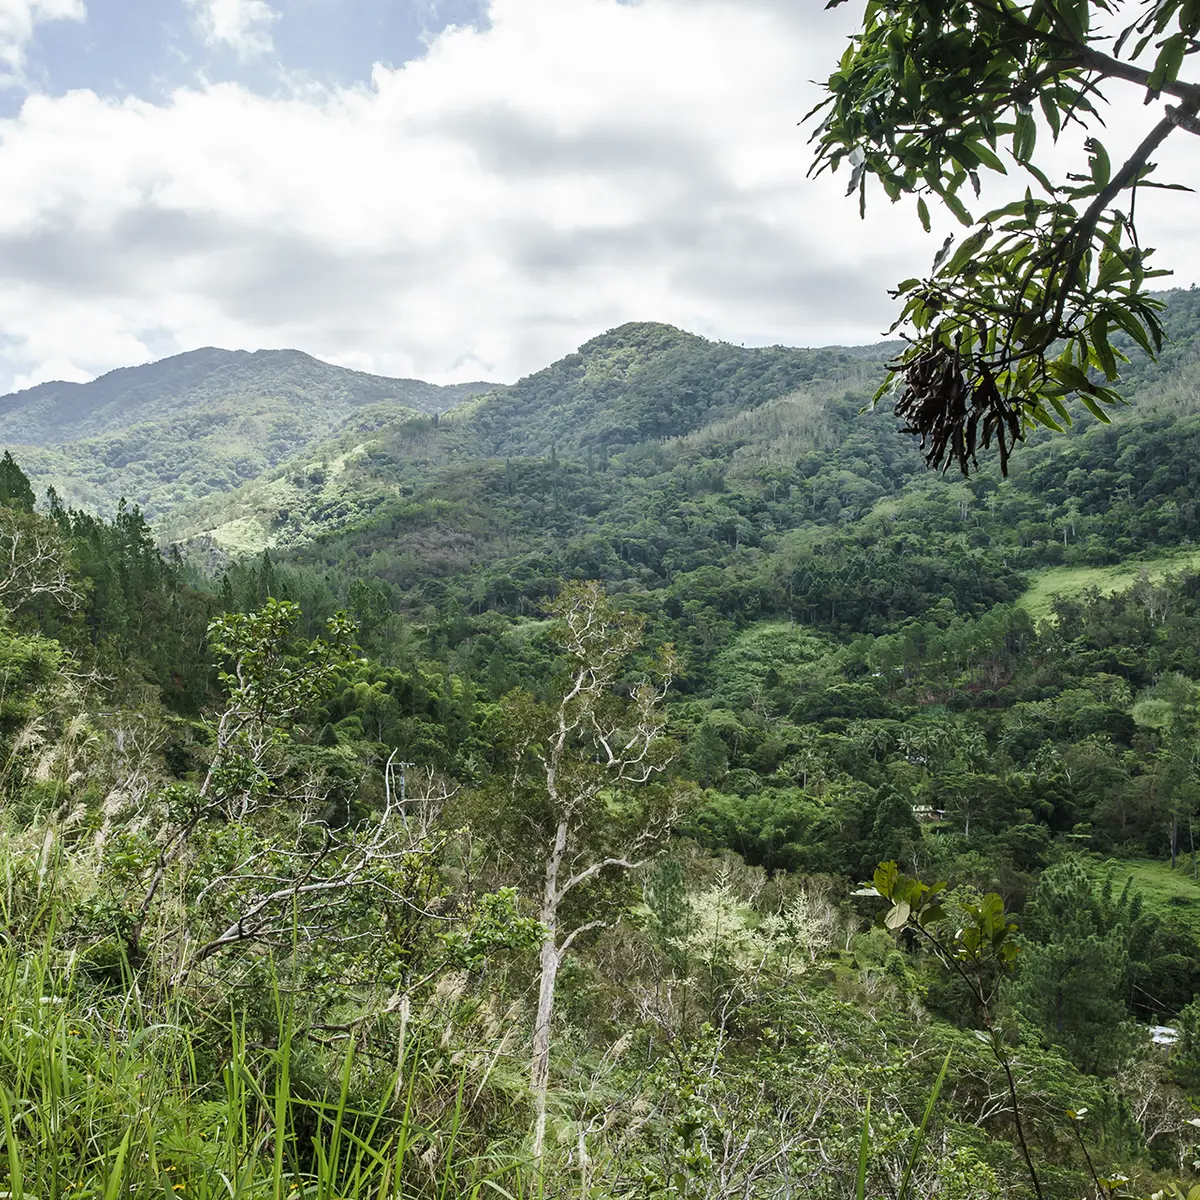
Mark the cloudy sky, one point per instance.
(448, 189)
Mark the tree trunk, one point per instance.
(540, 1068)
(548, 964)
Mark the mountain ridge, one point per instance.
(205, 421)
(169, 434)
(276, 447)
(59, 411)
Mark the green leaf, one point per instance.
(1042, 417)
(1105, 357)
(886, 875)
(1071, 375)
(1170, 59)
(898, 915)
(864, 1145)
(966, 251)
(912, 81)
(16, 1186)
(923, 1129)
(1132, 326)
(986, 156)
(1024, 137)
(1095, 409)
(940, 257)
(1051, 112)
(923, 213)
(1098, 161)
(956, 206)
(112, 1189)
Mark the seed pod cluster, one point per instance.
(953, 415)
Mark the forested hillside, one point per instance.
(171, 431)
(514, 823)
(632, 389)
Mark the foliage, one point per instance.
(350, 824)
(1017, 318)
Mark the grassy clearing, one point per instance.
(1172, 893)
(1038, 599)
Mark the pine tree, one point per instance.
(15, 489)
(1073, 968)
(708, 755)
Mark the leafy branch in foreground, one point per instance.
(980, 952)
(1017, 319)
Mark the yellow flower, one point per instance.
(178, 1187)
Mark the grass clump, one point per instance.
(107, 1091)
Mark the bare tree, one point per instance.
(33, 561)
(582, 763)
(279, 892)
(267, 691)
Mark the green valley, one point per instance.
(550, 793)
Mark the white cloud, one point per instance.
(18, 19)
(243, 26)
(569, 165)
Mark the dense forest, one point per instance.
(175, 430)
(644, 781)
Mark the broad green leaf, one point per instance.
(986, 156)
(956, 206)
(1024, 137)
(1170, 59)
(966, 251)
(1090, 404)
(1098, 160)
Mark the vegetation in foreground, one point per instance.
(286, 915)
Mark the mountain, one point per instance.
(53, 413)
(638, 386)
(643, 382)
(168, 432)
(236, 453)
(763, 485)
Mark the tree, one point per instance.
(34, 561)
(271, 679)
(708, 754)
(894, 829)
(1014, 320)
(581, 766)
(15, 489)
(1075, 966)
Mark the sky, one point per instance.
(443, 189)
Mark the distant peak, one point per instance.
(641, 335)
(288, 354)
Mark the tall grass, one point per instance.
(104, 1094)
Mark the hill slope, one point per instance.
(168, 432)
(635, 388)
(642, 382)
